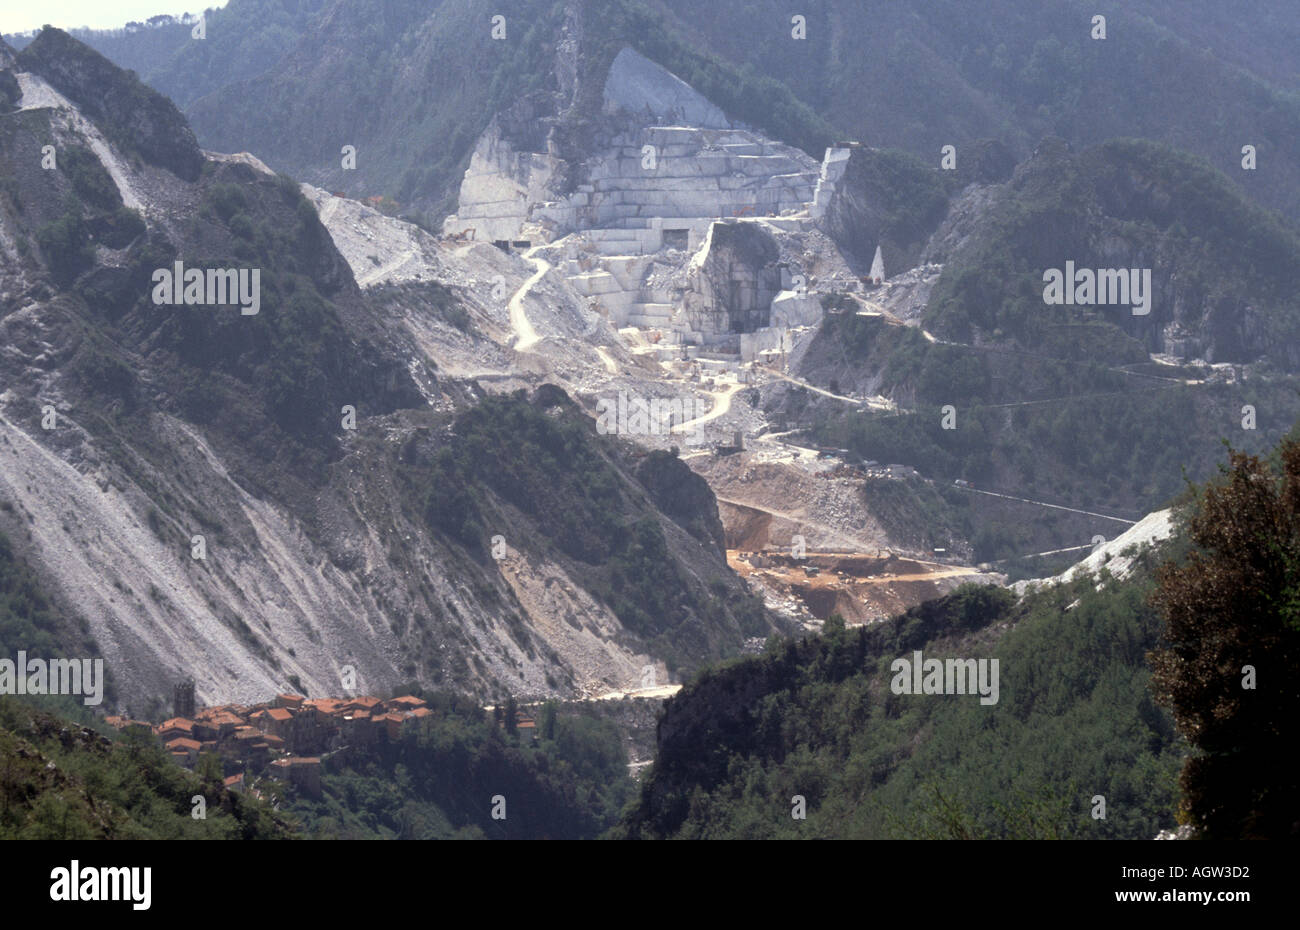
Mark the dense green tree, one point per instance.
(512, 715)
(818, 718)
(1228, 667)
(208, 768)
(61, 780)
(436, 779)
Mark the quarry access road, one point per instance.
(527, 336)
(959, 572)
(857, 545)
(810, 387)
(799, 452)
(371, 277)
(721, 404)
(610, 365)
(329, 208)
(1034, 555)
(659, 692)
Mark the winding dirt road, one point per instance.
(527, 336)
(721, 404)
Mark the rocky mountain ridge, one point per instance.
(322, 550)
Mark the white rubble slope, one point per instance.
(1116, 555)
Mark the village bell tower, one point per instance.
(183, 699)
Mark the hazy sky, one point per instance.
(22, 15)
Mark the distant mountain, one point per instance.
(1197, 75)
(1053, 401)
(412, 85)
(1224, 271)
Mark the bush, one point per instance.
(65, 244)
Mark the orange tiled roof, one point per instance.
(183, 743)
(407, 701)
(180, 723)
(319, 705)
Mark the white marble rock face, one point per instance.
(790, 309)
(638, 85)
(686, 167)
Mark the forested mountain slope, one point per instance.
(295, 81)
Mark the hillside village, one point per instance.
(284, 738)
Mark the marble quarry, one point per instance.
(678, 220)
